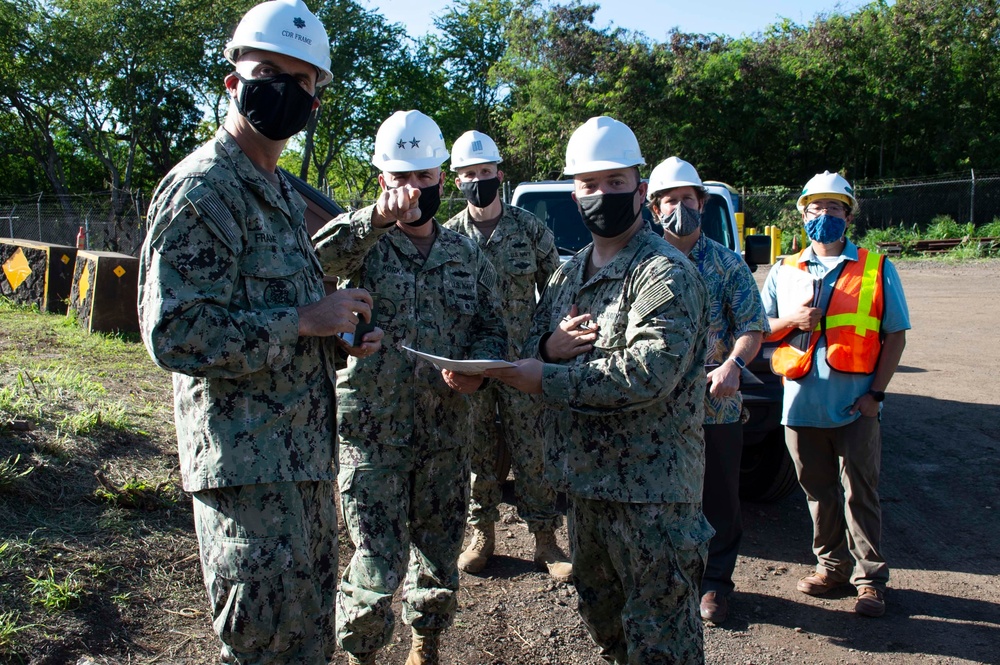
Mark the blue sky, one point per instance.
(653, 17)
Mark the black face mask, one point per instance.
(277, 106)
(608, 215)
(429, 202)
(480, 193)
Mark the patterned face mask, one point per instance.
(826, 229)
(683, 221)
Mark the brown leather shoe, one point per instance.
(714, 607)
(819, 583)
(871, 602)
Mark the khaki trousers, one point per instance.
(838, 469)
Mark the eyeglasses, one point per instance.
(833, 208)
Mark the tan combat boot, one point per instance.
(480, 549)
(549, 557)
(424, 648)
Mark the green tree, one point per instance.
(377, 70)
(555, 68)
(473, 40)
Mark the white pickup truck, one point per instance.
(766, 471)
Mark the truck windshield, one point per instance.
(559, 211)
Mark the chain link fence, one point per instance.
(963, 197)
(115, 221)
(110, 221)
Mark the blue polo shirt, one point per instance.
(824, 397)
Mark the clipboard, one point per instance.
(796, 288)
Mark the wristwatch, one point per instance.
(877, 395)
(739, 362)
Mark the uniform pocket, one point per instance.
(460, 291)
(248, 593)
(521, 262)
(276, 279)
(611, 336)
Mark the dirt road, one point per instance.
(941, 503)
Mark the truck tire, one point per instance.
(767, 473)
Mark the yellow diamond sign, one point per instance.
(119, 271)
(84, 285)
(64, 259)
(17, 269)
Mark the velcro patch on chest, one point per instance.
(215, 213)
(652, 299)
(488, 278)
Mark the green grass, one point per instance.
(10, 555)
(53, 595)
(899, 234)
(137, 493)
(98, 526)
(10, 626)
(990, 230)
(12, 473)
(941, 227)
(107, 415)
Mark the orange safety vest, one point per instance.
(852, 322)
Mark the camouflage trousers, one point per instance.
(404, 508)
(636, 568)
(269, 559)
(520, 425)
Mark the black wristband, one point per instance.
(877, 395)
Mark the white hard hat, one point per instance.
(286, 27)
(673, 172)
(827, 185)
(474, 147)
(600, 144)
(409, 141)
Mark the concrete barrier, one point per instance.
(105, 289)
(37, 273)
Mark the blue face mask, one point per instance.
(826, 229)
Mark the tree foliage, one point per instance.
(109, 94)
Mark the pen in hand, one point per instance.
(585, 325)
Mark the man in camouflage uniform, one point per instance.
(403, 424)
(231, 300)
(619, 338)
(522, 250)
(738, 322)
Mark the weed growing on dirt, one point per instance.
(10, 555)
(53, 595)
(136, 493)
(12, 472)
(9, 628)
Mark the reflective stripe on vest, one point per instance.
(852, 322)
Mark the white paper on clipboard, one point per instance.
(459, 366)
(795, 288)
